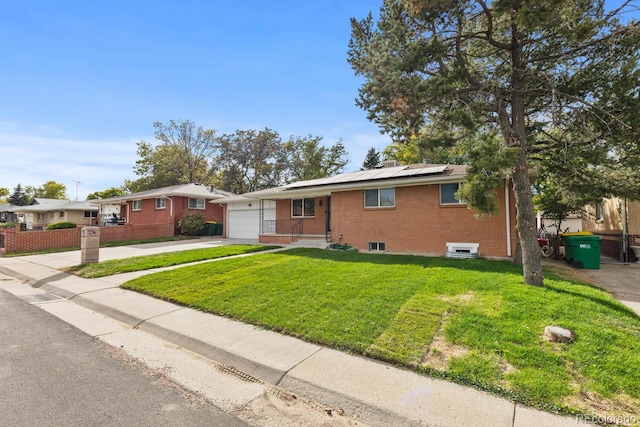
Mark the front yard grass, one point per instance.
(167, 259)
(470, 321)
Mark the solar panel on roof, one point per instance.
(368, 175)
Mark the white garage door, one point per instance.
(243, 224)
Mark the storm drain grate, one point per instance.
(45, 297)
(236, 373)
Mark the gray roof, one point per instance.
(50, 202)
(6, 207)
(183, 190)
(61, 205)
(394, 176)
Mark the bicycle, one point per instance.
(545, 238)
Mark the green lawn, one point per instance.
(117, 266)
(470, 321)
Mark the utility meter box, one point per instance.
(89, 245)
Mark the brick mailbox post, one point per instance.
(90, 245)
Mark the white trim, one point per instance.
(507, 211)
(457, 202)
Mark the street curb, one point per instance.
(352, 407)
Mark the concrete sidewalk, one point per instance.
(369, 391)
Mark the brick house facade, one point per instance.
(165, 205)
(405, 209)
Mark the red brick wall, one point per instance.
(315, 225)
(418, 223)
(29, 241)
(150, 215)
(136, 232)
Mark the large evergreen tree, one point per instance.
(507, 69)
(19, 197)
(371, 160)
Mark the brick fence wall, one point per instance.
(31, 241)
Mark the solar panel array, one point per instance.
(369, 175)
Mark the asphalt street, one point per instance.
(52, 374)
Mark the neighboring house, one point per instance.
(572, 223)
(401, 209)
(243, 216)
(617, 222)
(163, 205)
(6, 213)
(43, 212)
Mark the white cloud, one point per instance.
(97, 164)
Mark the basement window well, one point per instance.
(377, 246)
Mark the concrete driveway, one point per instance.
(621, 280)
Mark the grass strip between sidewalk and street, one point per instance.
(166, 259)
(470, 321)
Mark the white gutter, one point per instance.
(507, 211)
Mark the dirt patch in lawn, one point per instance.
(440, 351)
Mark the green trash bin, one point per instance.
(582, 251)
(218, 231)
(211, 228)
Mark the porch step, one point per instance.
(311, 243)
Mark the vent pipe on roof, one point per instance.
(390, 163)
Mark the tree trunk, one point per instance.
(515, 135)
(526, 224)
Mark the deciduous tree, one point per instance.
(247, 160)
(105, 194)
(48, 190)
(183, 155)
(307, 158)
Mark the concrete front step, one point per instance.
(311, 243)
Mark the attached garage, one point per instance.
(243, 216)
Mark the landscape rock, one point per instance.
(558, 334)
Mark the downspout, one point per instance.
(171, 209)
(507, 210)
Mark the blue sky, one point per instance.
(83, 81)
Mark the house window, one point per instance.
(161, 203)
(380, 197)
(90, 214)
(303, 207)
(196, 203)
(52, 215)
(377, 246)
(136, 205)
(61, 214)
(448, 194)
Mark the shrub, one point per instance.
(61, 225)
(192, 224)
(4, 225)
